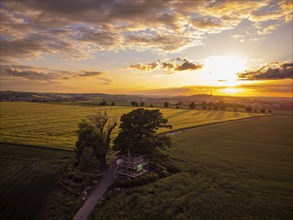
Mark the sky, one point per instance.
(150, 47)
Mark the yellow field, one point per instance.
(54, 125)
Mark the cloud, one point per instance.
(145, 68)
(90, 73)
(78, 29)
(175, 65)
(105, 81)
(272, 87)
(207, 23)
(30, 74)
(272, 71)
(10, 69)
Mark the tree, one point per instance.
(142, 104)
(221, 105)
(86, 137)
(166, 104)
(95, 134)
(134, 104)
(263, 111)
(255, 110)
(179, 104)
(113, 103)
(138, 135)
(151, 106)
(192, 106)
(103, 103)
(210, 104)
(87, 162)
(248, 109)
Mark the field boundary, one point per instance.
(38, 147)
(212, 123)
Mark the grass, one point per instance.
(54, 125)
(28, 174)
(235, 170)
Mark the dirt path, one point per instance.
(97, 194)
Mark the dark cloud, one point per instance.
(271, 71)
(90, 73)
(77, 29)
(30, 74)
(175, 65)
(188, 66)
(10, 69)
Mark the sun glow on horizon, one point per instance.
(232, 91)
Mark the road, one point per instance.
(97, 194)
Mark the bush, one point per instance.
(145, 179)
(173, 169)
(163, 174)
(248, 109)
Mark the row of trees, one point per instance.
(104, 103)
(249, 109)
(137, 134)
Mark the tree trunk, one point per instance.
(103, 162)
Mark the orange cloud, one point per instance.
(178, 64)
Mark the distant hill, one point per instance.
(279, 103)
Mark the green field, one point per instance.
(54, 125)
(27, 175)
(234, 170)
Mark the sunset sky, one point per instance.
(153, 47)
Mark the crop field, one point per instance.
(54, 125)
(27, 175)
(234, 170)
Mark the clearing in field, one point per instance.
(55, 125)
(234, 170)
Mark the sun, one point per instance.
(224, 68)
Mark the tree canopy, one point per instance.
(95, 134)
(166, 104)
(192, 106)
(134, 104)
(138, 133)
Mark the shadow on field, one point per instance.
(220, 115)
(236, 114)
(178, 113)
(211, 114)
(198, 112)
